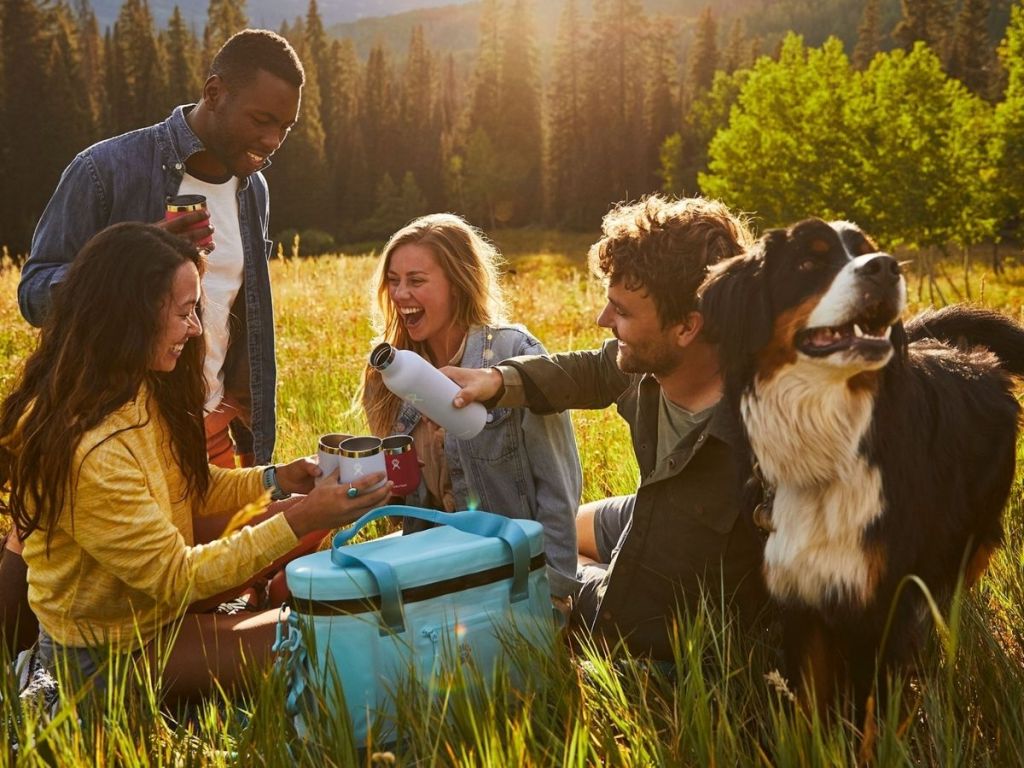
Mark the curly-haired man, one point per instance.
(645, 555)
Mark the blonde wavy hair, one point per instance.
(470, 262)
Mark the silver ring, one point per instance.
(352, 491)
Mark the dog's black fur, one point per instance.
(941, 437)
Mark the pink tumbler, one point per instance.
(403, 466)
(179, 205)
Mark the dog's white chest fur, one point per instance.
(805, 425)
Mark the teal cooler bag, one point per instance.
(383, 614)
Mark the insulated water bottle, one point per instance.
(427, 389)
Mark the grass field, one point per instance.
(719, 705)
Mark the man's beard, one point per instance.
(656, 362)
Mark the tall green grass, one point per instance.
(717, 704)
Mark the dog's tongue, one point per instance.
(824, 337)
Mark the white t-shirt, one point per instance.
(223, 278)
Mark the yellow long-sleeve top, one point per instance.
(124, 564)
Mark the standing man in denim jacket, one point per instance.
(680, 534)
(218, 148)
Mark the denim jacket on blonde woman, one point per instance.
(521, 465)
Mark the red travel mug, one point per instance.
(179, 205)
(403, 466)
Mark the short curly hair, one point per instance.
(664, 246)
(247, 52)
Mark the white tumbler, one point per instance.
(427, 389)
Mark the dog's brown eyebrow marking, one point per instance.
(864, 245)
(820, 247)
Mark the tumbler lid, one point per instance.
(360, 447)
(185, 203)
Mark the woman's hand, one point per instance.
(298, 476)
(329, 505)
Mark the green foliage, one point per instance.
(938, 141)
(810, 136)
(396, 206)
(683, 160)
(1008, 135)
(786, 151)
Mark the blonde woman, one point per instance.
(436, 292)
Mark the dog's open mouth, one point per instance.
(868, 336)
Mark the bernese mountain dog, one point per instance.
(884, 450)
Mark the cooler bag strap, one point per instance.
(469, 521)
(387, 586)
(291, 655)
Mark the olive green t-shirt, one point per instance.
(675, 423)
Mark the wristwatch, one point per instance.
(277, 493)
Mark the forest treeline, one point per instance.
(922, 144)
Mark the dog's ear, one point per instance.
(735, 303)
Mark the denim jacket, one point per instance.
(128, 178)
(521, 465)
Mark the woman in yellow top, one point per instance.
(103, 458)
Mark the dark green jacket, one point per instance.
(686, 532)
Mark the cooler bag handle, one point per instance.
(469, 521)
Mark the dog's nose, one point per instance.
(880, 268)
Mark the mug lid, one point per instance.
(397, 444)
(359, 447)
(331, 443)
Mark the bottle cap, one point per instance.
(382, 356)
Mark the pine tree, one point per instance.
(566, 151)
(303, 167)
(22, 46)
(736, 52)
(420, 140)
(141, 81)
(703, 56)
(971, 57)
(660, 110)
(319, 58)
(518, 135)
(451, 122)
(111, 105)
(925, 20)
(341, 135)
(485, 111)
(223, 19)
(69, 127)
(183, 79)
(378, 121)
(90, 49)
(869, 36)
(617, 167)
